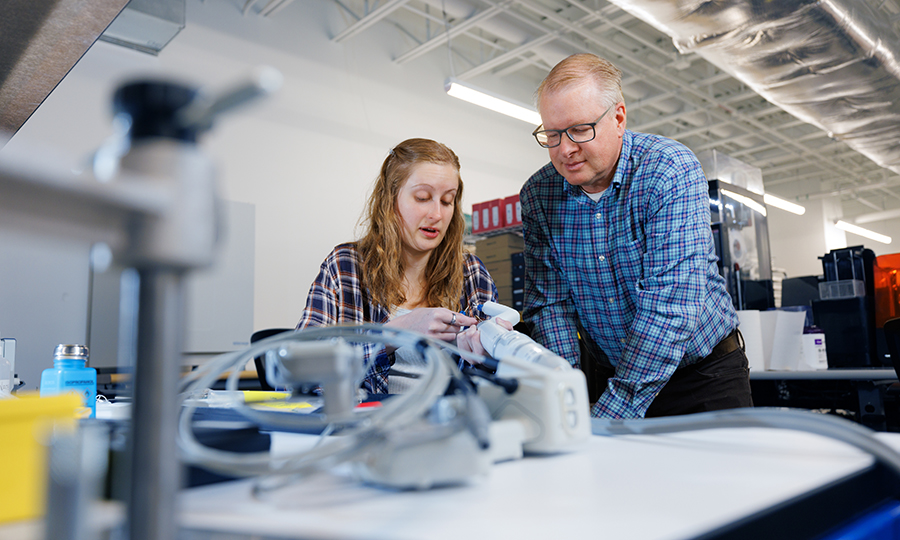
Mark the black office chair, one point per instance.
(260, 335)
(892, 336)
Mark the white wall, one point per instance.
(797, 242)
(306, 157)
(53, 309)
(887, 227)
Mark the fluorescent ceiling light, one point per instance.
(483, 98)
(844, 226)
(746, 201)
(772, 200)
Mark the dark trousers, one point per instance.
(719, 381)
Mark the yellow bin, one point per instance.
(25, 422)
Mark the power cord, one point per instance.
(359, 434)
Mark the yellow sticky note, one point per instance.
(255, 396)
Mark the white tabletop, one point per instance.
(637, 487)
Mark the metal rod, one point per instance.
(155, 468)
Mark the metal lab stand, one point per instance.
(160, 216)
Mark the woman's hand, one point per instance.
(470, 339)
(440, 323)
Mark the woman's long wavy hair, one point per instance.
(381, 245)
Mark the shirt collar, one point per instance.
(623, 169)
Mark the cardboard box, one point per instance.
(512, 211)
(496, 214)
(496, 219)
(496, 252)
(479, 215)
(505, 273)
(507, 243)
(501, 279)
(484, 212)
(509, 296)
(506, 267)
(489, 217)
(504, 295)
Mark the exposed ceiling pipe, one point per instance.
(831, 63)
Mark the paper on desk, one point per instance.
(787, 340)
(751, 329)
(773, 339)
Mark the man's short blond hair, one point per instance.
(584, 68)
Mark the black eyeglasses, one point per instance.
(579, 133)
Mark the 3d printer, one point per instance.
(858, 294)
(740, 230)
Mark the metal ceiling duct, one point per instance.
(40, 41)
(147, 25)
(832, 63)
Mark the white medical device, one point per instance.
(548, 409)
(449, 428)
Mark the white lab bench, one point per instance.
(638, 487)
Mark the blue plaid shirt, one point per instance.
(637, 269)
(336, 297)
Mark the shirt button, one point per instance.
(602, 258)
(598, 215)
(622, 341)
(611, 300)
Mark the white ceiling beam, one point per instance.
(877, 216)
(371, 18)
(455, 31)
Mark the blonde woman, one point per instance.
(409, 269)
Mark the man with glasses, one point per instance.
(619, 252)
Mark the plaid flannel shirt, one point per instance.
(336, 297)
(637, 269)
